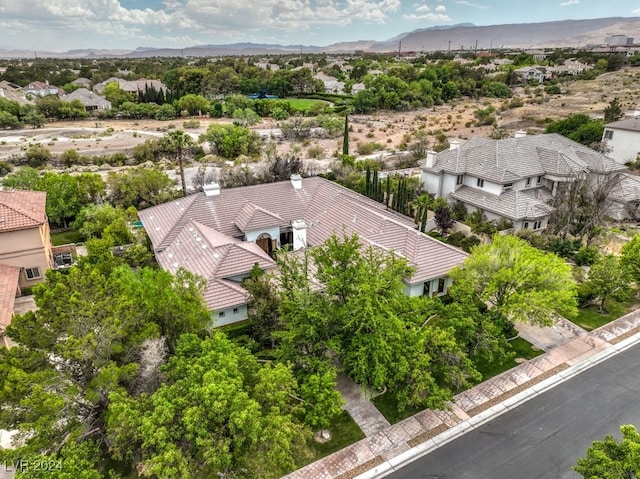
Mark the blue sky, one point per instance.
(59, 25)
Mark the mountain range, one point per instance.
(466, 36)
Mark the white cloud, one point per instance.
(431, 17)
(441, 8)
(470, 4)
(423, 8)
(569, 2)
(174, 20)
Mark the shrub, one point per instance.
(191, 124)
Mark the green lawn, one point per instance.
(344, 431)
(589, 318)
(65, 237)
(387, 403)
(304, 104)
(521, 347)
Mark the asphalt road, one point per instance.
(544, 437)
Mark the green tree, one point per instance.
(630, 259)
(116, 95)
(245, 117)
(232, 141)
(362, 318)
(517, 281)
(94, 221)
(610, 459)
(345, 137)
(178, 141)
(140, 187)
(193, 104)
(608, 279)
(219, 412)
(613, 111)
(85, 341)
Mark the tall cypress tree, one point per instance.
(345, 137)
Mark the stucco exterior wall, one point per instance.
(229, 315)
(27, 248)
(625, 145)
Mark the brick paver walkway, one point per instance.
(390, 441)
(362, 410)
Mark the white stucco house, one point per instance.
(623, 139)
(221, 234)
(512, 178)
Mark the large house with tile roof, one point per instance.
(90, 100)
(623, 139)
(512, 178)
(221, 234)
(25, 246)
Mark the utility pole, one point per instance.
(449, 46)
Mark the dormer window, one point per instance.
(528, 183)
(480, 183)
(459, 180)
(539, 180)
(507, 186)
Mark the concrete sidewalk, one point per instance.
(395, 445)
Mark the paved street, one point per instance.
(543, 437)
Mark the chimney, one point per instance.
(211, 189)
(296, 181)
(431, 159)
(454, 145)
(520, 134)
(299, 234)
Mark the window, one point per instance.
(480, 182)
(528, 183)
(459, 179)
(426, 288)
(235, 310)
(441, 284)
(221, 314)
(32, 273)
(526, 224)
(537, 225)
(608, 134)
(508, 186)
(539, 180)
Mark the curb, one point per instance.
(391, 465)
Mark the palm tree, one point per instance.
(178, 141)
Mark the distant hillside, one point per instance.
(567, 33)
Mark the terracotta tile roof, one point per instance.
(214, 256)
(9, 276)
(22, 209)
(325, 207)
(252, 218)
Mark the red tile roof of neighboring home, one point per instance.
(22, 209)
(9, 276)
(203, 233)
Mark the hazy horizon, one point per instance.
(57, 26)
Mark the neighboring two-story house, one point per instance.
(622, 139)
(221, 234)
(513, 178)
(25, 246)
(38, 88)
